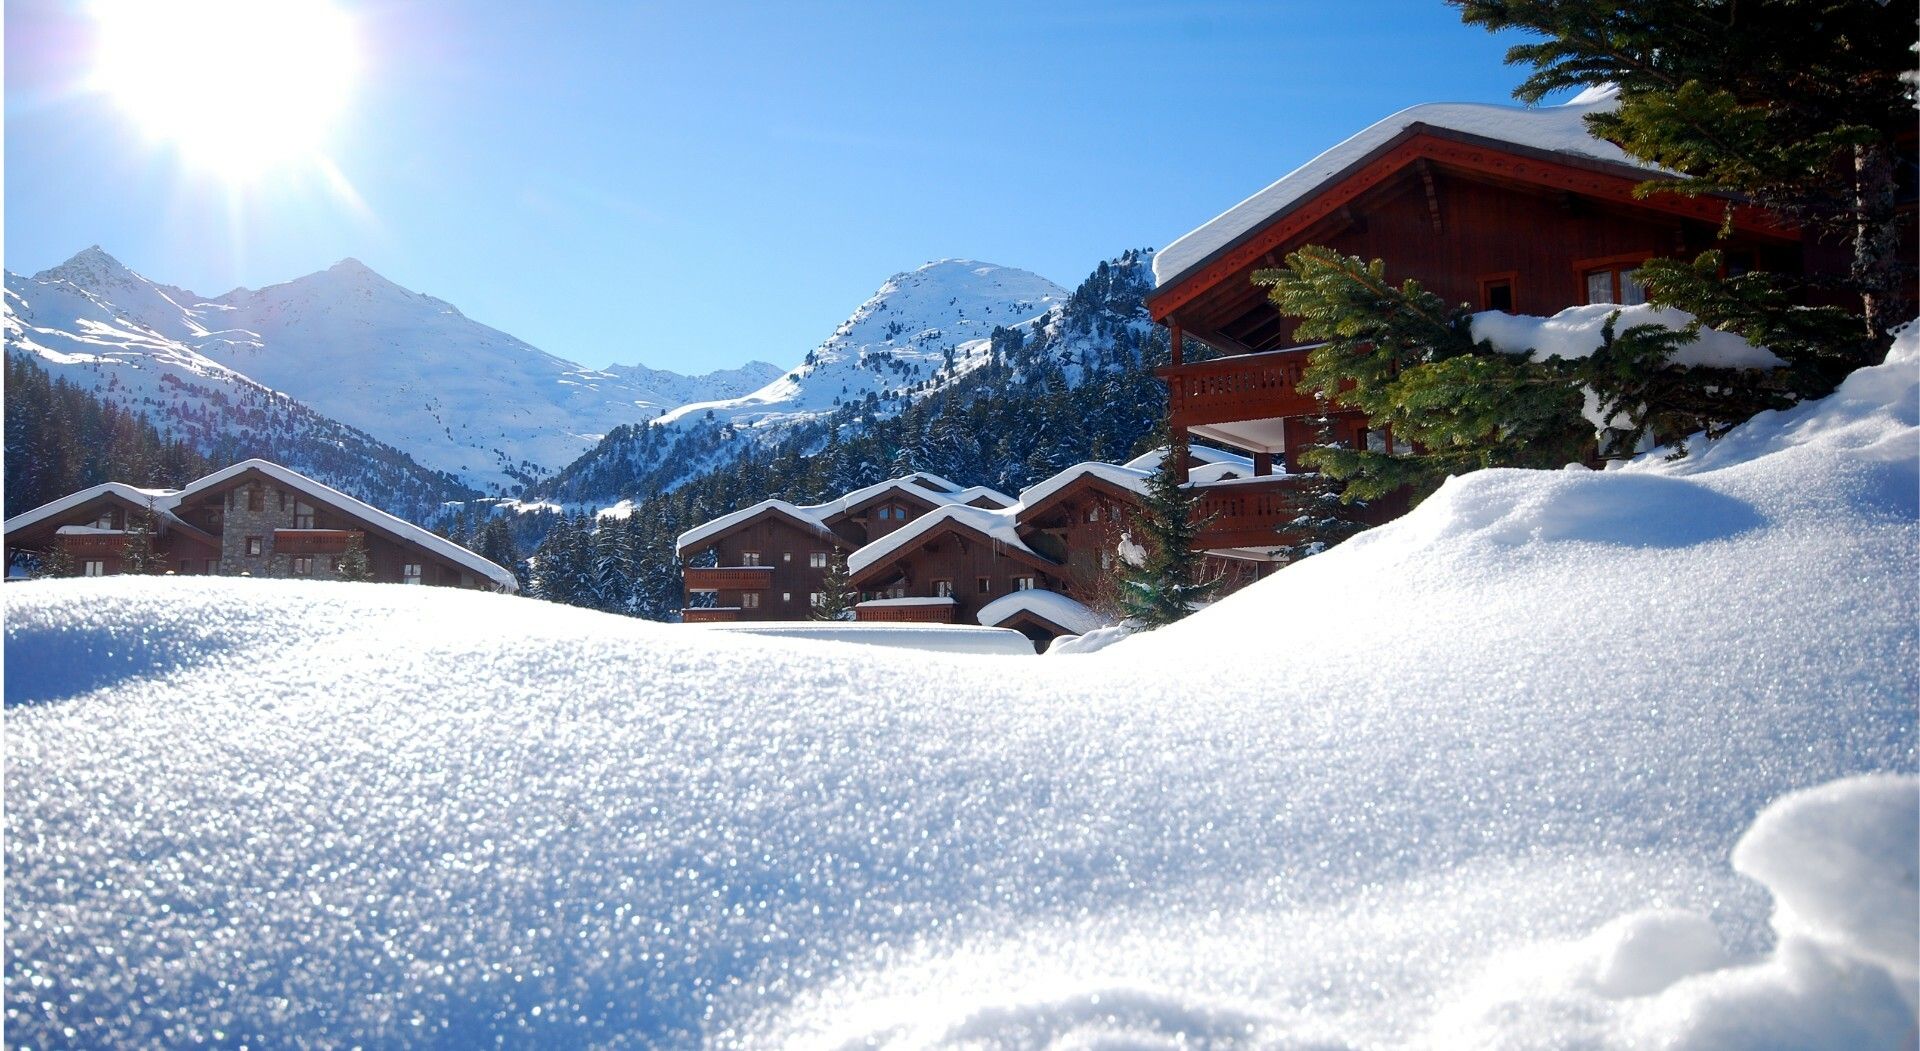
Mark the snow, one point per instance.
(935, 638)
(1575, 333)
(79, 530)
(1502, 774)
(883, 603)
(1559, 129)
(909, 324)
(1068, 613)
(159, 498)
(1128, 477)
(923, 485)
(805, 517)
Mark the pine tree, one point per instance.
(57, 563)
(1798, 105)
(1167, 583)
(836, 592)
(1324, 517)
(354, 563)
(137, 555)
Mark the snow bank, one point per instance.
(1575, 333)
(1480, 778)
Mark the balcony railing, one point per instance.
(729, 578)
(1238, 387)
(1256, 513)
(313, 541)
(709, 615)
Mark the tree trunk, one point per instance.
(1884, 297)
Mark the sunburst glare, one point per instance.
(238, 87)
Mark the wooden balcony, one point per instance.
(894, 612)
(93, 545)
(313, 541)
(1256, 513)
(1237, 387)
(709, 615)
(728, 578)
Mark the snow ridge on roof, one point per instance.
(924, 485)
(997, 524)
(1074, 616)
(809, 515)
(161, 499)
(1558, 129)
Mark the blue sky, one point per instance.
(693, 185)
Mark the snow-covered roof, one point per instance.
(1557, 129)
(1131, 478)
(942, 600)
(1051, 606)
(1149, 461)
(925, 486)
(80, 530)
(809, 516)
(400, 527)
(996, 524)
(160, 498)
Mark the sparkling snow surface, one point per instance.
(1475, 779)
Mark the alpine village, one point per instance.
(1460, 595)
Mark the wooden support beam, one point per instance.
(1174, 336)
(1425, 167)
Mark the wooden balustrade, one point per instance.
(709, 615)
(1238, 387)
(728, 578)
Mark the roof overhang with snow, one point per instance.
(803, 519)
(1547, 147)
(972, 524)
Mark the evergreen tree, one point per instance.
(137, 555)
(836, 592)
(1167, 583)
(57, 563)
(612, 569)
(354, 563)
(1798, 105)
(1324, 516)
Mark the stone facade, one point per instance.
(277, 511)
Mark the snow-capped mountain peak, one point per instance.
(921, 325)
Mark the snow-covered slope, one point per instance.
(1540, 765)
(79, 337)
(926, 324)
(405, 367)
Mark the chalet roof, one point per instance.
(167, 500)
(806, 517)
(995, 525)
(162, 501)
(1050, 606)
(924, 486)
(1554, 129)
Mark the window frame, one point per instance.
(413, 573)
(256, 546)
(749, 600)
(818, 560)
(303, 565)
(1509, 278)
(1620, 265)
(943, 588)
(93, 567)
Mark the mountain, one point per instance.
(406, 368)
(921, 333)
(1040, 391)
(77, 338)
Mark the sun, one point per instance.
(239, 87)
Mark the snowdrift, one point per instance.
(1561, 759)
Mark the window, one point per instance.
(105, 521)
(816, 599)
(1615, 283)
(750, 600)
(94, 568)
(749, 558)
(254, 546)
(943, 589)
(1023, 583)
(1496, 293)
(303, 566)
(786, 556)
(302, 516)
(410, 573)
(984, 584)
(256, 500)
(333, 564)
(1106, 560)
(786, 596)
(1093, 513)
(886, 512)
(817, 560)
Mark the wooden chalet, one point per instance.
(255, 518)
(770, 561)
(1504, 209)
